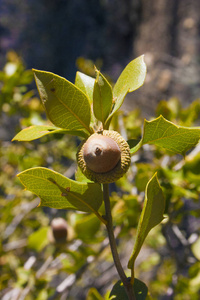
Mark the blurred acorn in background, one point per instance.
(59, 230)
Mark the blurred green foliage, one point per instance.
(16, 95)
(36, 267)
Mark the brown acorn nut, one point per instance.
(101, 153)
(59, 229)
(104, 157)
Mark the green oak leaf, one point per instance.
(118, 291)
(102, 97)
(194, 179)
(163, 133)
(59, 192)
(86, 226)
(134, 145)
(38, 239)
(79, 176)
(86, 84)
(152, 215)
(37, 131)
(131, 78)
(65, 104)
(93, 294)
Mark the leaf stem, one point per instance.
(100, 218)
(126, 282)
(132, 276)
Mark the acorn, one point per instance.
(104, 157)
(59, 230)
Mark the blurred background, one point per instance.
(55, 35)
(63, 36)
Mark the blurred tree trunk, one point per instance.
(52, 35)
(169, 35)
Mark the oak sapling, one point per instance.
(85, 109)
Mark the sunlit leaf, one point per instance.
(131, 78)
(152, 215)
(102, 97)
(23, 276)
(176, 138)
(65, 104)
(194, 179)
(42, 295)
(165, 134)
(59, 192)
(119, 293)
(86, 84)
(37, 131)
(39, 239)
(93, 294)
(79, 176)
(195, 249)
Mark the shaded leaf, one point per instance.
(59, 192)
(133, 142)
(86, 226)
(66, 105)
(152, 215)
(119, 293)
(102, 97)
(172, 137)
(131, 78)
(134, 145)
(37, 131)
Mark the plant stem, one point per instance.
(127, 285)
(132, 276)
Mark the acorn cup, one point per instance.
(104, 157)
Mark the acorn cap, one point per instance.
(104, 157)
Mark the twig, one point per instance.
(44, 267)
(127, 285)
(15, 245)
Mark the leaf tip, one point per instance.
(155, 175)
(143, 63)
(142, 56)
(165, 218)
(95, 69)
(35, 72)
